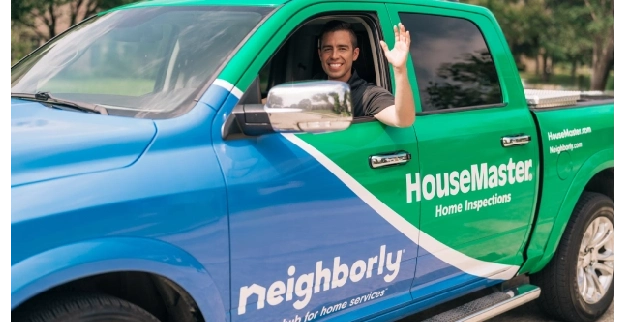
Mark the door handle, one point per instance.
(515, 140)
(390, 159)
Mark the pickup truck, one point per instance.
(176, 160)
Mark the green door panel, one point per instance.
(351, 150)
(479, 191)
(477, 197)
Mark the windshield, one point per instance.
(141, 61)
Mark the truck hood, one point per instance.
(48, 143)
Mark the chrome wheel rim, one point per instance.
(595, 261)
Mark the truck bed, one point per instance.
(538, 99)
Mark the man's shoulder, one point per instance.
(366, 85)
(370, 88)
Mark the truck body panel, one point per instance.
(282, 168)
(117, 254)
(76, 148)
(173, 195)
(573, 153)
(486, 216)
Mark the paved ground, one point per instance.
(528, 313)
(531, 313)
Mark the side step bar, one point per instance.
(489, 306)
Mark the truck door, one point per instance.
(319, 229)
(477, 148)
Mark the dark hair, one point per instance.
(336, 25)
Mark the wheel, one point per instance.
(577, 284)
(81, 308)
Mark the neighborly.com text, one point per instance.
(565, 147)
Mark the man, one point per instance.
(338, 49)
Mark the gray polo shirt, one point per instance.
(367, 99)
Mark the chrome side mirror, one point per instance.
(312, 107)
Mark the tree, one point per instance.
(275, 101)
(581, 27)
(522, 22)
(573, 31)
(56, 15)
(601, 28)
(21, 45)
(336, 104)
(305, 104)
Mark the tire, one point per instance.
(563, 288)
(90, 307)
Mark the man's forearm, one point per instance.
(404, 99)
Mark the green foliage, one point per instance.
(576, 32)
(44, 17)
(20, 46)
(565, 31)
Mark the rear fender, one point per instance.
(71, 262)
(596, 163)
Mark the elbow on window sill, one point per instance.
(405, 122)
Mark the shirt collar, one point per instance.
(353, 80)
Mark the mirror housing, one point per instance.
(301, 107)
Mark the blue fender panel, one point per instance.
(66, 263)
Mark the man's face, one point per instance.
(337, 55)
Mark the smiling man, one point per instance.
(338, 49)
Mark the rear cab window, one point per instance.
(452, 62)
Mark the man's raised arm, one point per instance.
(403, 113)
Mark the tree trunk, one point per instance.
(551, 67)
(601, 61)
(573, 72)
(545, 71)
(52, 22)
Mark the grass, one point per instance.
(565, 80)
(129, 87)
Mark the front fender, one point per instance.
(595, 164)
(71, 262)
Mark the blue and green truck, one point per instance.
(172, 160)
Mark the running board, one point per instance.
(489, 306)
